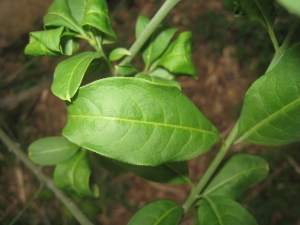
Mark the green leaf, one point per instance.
(178, 58)
(69, 74)
(218, 210)
(157, 43)
(169, 173)
(262, 11)
(96, 15)
(234, 7)
(126, 69)
(59, 15)
(159, 80)
(292, 6)
(74, 174)
(118, 53)
(49, 38)
(159, 212)
(36, 48)
(162, 73)
(138, 122)
(51, 150)
(270, 114)
(239, 173)
(69, 45)
(77, 9)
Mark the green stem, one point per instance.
(156, 20)
(70, 205)
(273, 38)
(285, 45)
(210, 170)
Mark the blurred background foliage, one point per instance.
(229, 54)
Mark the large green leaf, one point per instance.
(96, 15)
(160, 212)
(270, 114)
(218, 210)
(239, 173)
(169, 173)
(59, 15)
(51, 150)
(70, 72)
(77, 9)
(138, 122)
(292, 6)
(262, 11)
(157, 43)
(74, 175)
(178, 57)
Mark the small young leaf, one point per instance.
(36, 48)
(96, 15)
(169, 173)
(118, 53)
(165, 124)
(126, 69)
(49, 38)
(292, 6)
(159, 212)
(178, 58)
(162, 73)
(69, 73)
(159, 80)
(59, 15)
(74, 174)
(220, 210)
(262, 11)
(69, 45)
(270, 114)
(239, 173)
(51, 150)
(77, 9)
(157, 43)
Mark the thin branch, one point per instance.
(70, 205)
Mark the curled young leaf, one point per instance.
(270, 114)
(97, 16)
(159, 212)
(51, 150)
(118, 53)
(126, 69)
(178, 57)
(74, 175)
(70, 72)
(138, 122)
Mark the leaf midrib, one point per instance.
(266, 120)
(46, 151)
(165, 214)
(146, 123)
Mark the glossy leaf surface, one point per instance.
(239, 173)
(178, 57)
(157, 43)
(262, 11)
(36, 48)
(59, 15)
(138, 122)
(292, 6)
(96, 15)
(169, 173)
(118, 53)
(159, 80)
(69, 74)
(51, 150)
(74, 175)
(270, 114)
(160, 212)
(218, 210)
